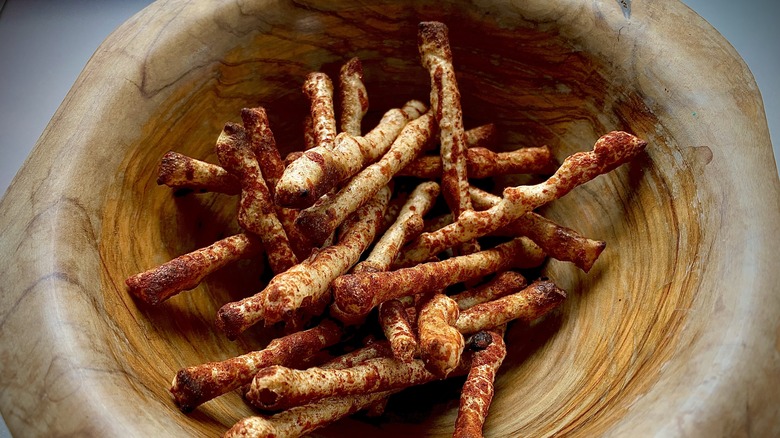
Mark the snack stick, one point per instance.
(484, 163)
(557, 241)
(610, 151)
(292, 156)
(481, 136)
(354, 97)
(306, 282)
(504, 283)
(359, 293)
(441, 344)
(256, 212)
(179, 171)
(328, 212)
(408, 224)
(262, 142)
(301, 420)
(278, 387)
(319, 89)
(195, 385)
(319, 170)
(478, 390)
(434, 47)
(187, 271)
(527, 305)
(398, 330)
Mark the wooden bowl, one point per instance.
(674, 332)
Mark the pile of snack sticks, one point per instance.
(315, 214)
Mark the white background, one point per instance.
(45, 44)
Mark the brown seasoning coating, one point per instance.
(359, 293)
(187, 271)
(504, 283)
(484, 163)
(610, 151)
(441, 344)
(319, 89)
(354, 97)
(179, 171)
(321, 219)
(478, 390)
(279, 387)
(559, 242)
(305, 283)
(436, 56)
(319, 170)
(198, 384)
(256, 213)
(527, 305)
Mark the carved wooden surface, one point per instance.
(674, 332)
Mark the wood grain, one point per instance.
(674, 332)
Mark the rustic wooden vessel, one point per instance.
(674, 332)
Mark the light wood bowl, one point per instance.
(674, 332)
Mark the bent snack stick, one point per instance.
(609, 152)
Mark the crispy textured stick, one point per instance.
(262, 142)
(327, 213)
(434, 46)
(198, 384)
(319, 89)
(185, 272)
(359, 293)
(306, 282)
(484, 163)
(398, 330)
(321, 169)
(256, 211)
(408, 224)
(527, 305)
(610, 151)
(441, 344)
(279, 387)
(301, 420)
(478, 390)
(505, 283)
(179, 171)
(557, 241)
(354, 98)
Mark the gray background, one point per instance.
(45, 44)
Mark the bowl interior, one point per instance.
(579, 370)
